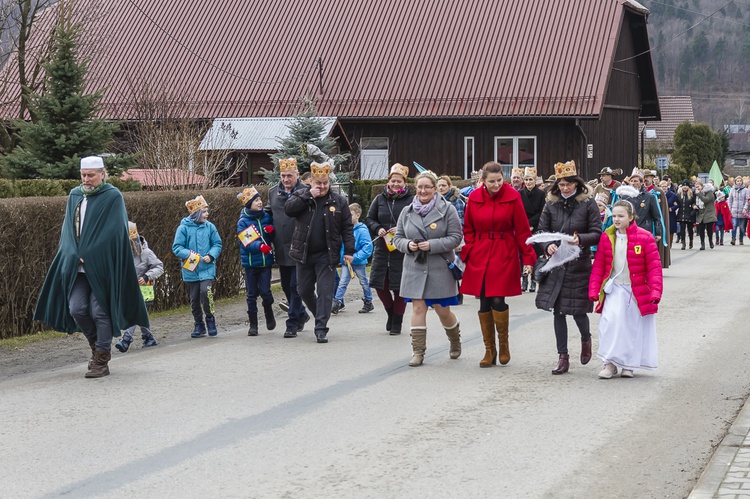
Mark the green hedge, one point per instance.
(27, 254)
(49, 187)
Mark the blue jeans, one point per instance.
(738, 223)
(361, 272)
(257, 282)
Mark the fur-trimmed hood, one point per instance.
(627, 191)
(580, 197)
(708, 188)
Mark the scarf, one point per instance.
(423, 209)
(252, 213)
(389, 194)
(451, 196)
(93, 191)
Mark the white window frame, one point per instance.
(468, 168)
(515, 150)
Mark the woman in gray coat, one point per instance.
(705, 197)
(427, 233)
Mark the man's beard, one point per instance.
(86, 188)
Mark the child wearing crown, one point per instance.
(255, 234)
(197, 244)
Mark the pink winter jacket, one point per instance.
(643, 263)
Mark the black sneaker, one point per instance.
(284, 306)
(290, 333)
(337, 305)
(305, 319)
(321, 336)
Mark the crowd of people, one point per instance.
(605, 243)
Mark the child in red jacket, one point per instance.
(626, 280)
(723, 217)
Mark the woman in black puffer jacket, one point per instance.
(382, 217)
(570, 209)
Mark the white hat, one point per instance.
(92, 163)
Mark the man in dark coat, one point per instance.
(322, 222)
(647, 211)
(92, 285)
(278, 195)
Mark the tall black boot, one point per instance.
(396, 324)
(270, 318)
(252, 319)
(389, 320)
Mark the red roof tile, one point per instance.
(390, 58)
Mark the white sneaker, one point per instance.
(626, 373)
(607, 371)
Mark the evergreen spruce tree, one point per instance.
(306, 128)
(64, 131)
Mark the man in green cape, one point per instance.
(92, 285)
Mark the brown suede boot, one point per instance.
(487, 323)
(501, 323)
(92, 344)
(99, 366)
(454, 336)
(418, 345)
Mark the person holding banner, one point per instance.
(387, 262)
(255, 233)
(197, 244)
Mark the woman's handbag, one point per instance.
(537, 273)
(458, 274)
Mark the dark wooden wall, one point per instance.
(439, 146)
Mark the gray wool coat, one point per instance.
(431, 280)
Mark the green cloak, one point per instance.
(104, 246)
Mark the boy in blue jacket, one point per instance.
(363, 251)
(197, 244)
(255, 235)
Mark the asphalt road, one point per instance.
(237, 416)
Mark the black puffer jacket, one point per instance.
(283, 225)
(566, 288)
(383, 214)
(533, 203)
(336, 217)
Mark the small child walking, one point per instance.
(255, 235)
(626, 280)
(362, 251)
(149, 268)
(197, 244)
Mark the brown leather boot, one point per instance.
(562, 364)
(99, 366)
(454, 336)
(487, 323)
(585, 351)
(92, 344)
(501, 323)
(418, 345)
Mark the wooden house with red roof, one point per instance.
(449, 84)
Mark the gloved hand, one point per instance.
(268, 229)
(265, 249)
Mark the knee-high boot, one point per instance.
(501, 323)
(454, 336)
(418, 345)
(487, 324)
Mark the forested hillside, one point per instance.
(710, 62)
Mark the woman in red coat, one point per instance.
(627, 281)
(495, 230)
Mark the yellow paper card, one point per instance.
(388, 238)
(248, 235)
(191, 262)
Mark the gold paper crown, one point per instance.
(637, 173)
(602, 197)
(133, 229)
(247, 194)
(399, 169)
(320, 170)
(529, 172)
(196, 204)
(516, 172)
(563, 170)
(288, 165)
